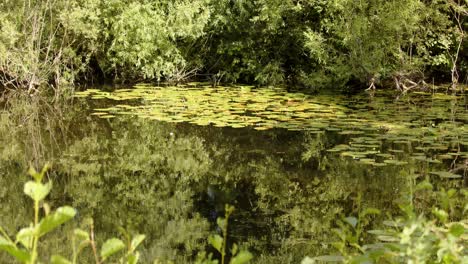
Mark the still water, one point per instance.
(165, 161)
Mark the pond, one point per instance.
(164, 161)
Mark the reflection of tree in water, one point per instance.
(287, 197)
(143, 176)
(170, 181)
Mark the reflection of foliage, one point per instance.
(148, 176)
(169, 179)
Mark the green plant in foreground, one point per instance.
(408, 239)
(25, 246)
(220, 243)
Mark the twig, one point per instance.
(93, 244)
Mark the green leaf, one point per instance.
(38, 176)
(307, 260)
(25, 236)
(371, 211)
(56, 259)
(446, 174)
(457, 230)
(221, 223)
(244, 256)
(111, 246)
(229, 209)
(52, 221)
(37, 191)
(10, 248)
(351, 220)
(216, 241)
(440, 214)
(234, 249)
(361, 260)
(330, 258)
(133, 258)
(81, 234)
(136, 241)
(33, 173)
(424, 185)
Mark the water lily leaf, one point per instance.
(330, 258)
(428, 160)
(386, 238)
(395, 162)
(446, 174)
(376, 164)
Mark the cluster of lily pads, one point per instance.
(433, 127)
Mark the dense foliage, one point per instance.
(309, 44)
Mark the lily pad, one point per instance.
(446, 174)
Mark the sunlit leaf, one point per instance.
(81, 234)
(457, 230)
(10, 248)
(351, 220)
(446, 174)
(216, 241)
(111, 247)
(56, 259)
(241, 257)
(133, 258)
(52, 221)
(25, 236)
(440, 214)
(136, 241)
(37, 191)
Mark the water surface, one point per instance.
(163, 161)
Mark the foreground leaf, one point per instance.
(216, 241)
(136, 241)
(241, 258)
(25, 236)
(133, 258)
(352, 221)
(111, 246)
(457, 230)
(10, 248)
(37, 191)
(56, 259)
(52, 221)
(81, 234)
